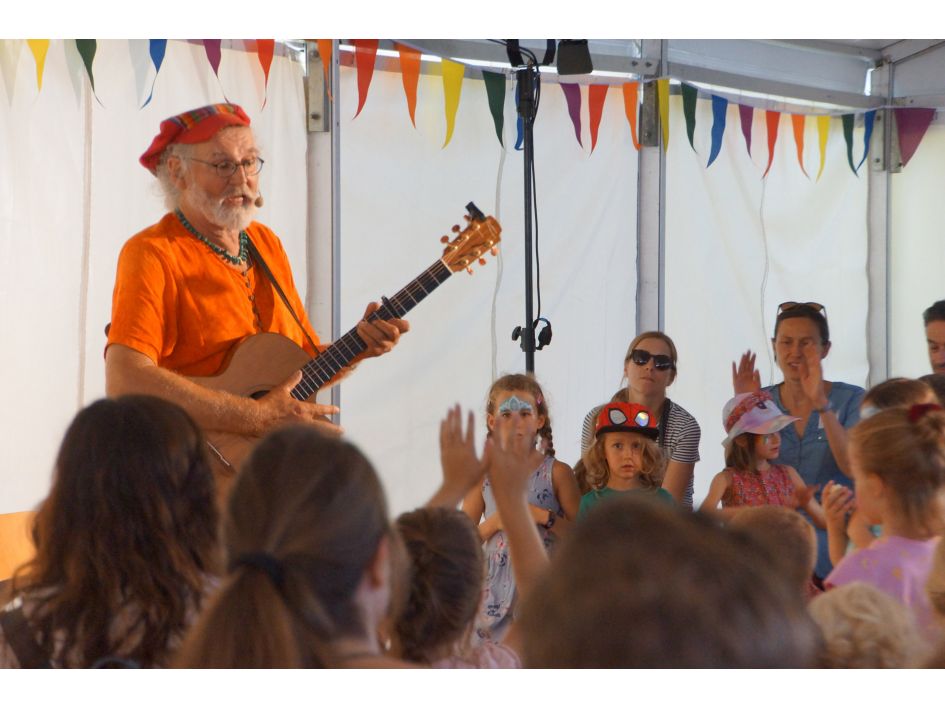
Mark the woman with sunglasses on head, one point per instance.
(816, 444)
(649, 368)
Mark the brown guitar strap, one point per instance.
(260, 261)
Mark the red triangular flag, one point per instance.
(265, 49)
(596, 95)
(772, 119)
(364, 56)
(911, 124)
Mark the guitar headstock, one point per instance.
(481, 234)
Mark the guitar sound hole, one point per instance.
(258, 394)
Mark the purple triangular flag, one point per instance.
(214, 55)
(746, 114)
(911, 124)
(572, 94)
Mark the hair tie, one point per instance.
(917, 411)
(265, 562)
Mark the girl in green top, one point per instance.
(625, 457)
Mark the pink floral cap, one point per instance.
(753, 413)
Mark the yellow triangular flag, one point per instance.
(452, 85)
(39, 47)
(662, 91)
(823, 128)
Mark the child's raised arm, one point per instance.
(462, 469)
(717, 488)
(837, 503)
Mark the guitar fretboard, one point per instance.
(343, 351)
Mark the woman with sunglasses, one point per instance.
(816, 445)
(649, 368)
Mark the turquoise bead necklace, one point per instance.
(222, 253)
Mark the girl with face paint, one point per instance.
(517, 408)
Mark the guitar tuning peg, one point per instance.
(467, 217)
(456, 228)
(469, 270)
(482, 262)
(494, 250)
(444, 239)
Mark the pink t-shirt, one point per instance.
(898, 566)
(487, 656)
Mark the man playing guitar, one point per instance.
(193, 286)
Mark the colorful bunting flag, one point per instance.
(719, 112)
(572, 94)
(325, 51)
(39, 48)
(631, 104)
(868, 119)
(156, 48)
(596, 95)
(265, 49)
(797, 124)
(410, 74)
(911, 125)
(365, 54)
(823, 129)
(519, 122)
(662, 91)
(495, 92)
(86, 48)
(772, 121)
(213, 48)
(746, 115)
(689, 96)
(452, 86)
(847, 121)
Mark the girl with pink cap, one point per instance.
(752, 422)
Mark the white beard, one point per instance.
(220, 214)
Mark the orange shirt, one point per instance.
(178, 303)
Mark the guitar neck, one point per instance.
(345, 349)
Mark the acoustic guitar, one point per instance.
(262, 362)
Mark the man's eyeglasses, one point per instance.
(791, 305)
(225, 169)
(660, 361)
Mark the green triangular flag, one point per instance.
(495, 90)
(87, 49)
(689, 95)
(847, 120)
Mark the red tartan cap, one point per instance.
(195, 126)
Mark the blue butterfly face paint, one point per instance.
(513, 403)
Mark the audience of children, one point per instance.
(312, 573)
(752, 422)
(517, 400)
(897, 458)
(624, 458)
(126, 543)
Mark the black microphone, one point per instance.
(259, 200)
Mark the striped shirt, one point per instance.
(680, 441)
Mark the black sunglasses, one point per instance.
(791, 305)
(660, 361)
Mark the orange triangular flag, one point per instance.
(772, 118)
(410, 71)
(631, 103)
(797, 123)
(324, 51)
(364, 56)
(596, 95)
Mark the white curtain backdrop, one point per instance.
(917, 253)
(737, 246)
(72, 192)
(401, 190)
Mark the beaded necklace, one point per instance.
(222, 253)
